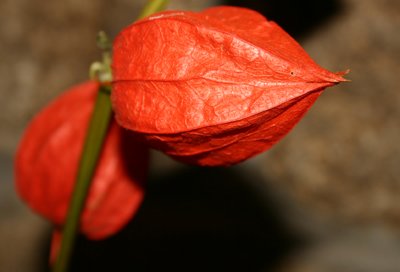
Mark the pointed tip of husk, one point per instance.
(341, 74)
(334, 78)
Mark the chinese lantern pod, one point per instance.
(47, 161)
(215, 87)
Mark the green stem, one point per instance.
(93, 143)
(91, 151)
(151, 7)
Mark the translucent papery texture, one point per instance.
(215, 87)
(47, 161)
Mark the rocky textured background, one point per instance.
(324, 199)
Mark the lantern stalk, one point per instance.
(91, 151)
(93, 144)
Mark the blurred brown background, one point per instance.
(324, 199)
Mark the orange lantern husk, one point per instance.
(212, 88)
(47, 161)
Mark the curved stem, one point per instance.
(93, 143)
(94, 140)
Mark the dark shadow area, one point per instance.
(200, 219)
(298, 18)
(137, 165)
